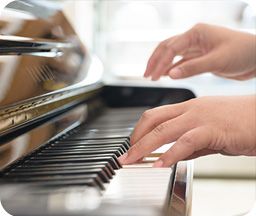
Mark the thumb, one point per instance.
(192, 67)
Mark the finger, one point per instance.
(184, 59)
(189, 143)
(191, 49)
(194, 66)
(165, 61)
(155, 55)
(153, 117)
(162, 67)
(168, 51)
(166, 132)
(191, 55)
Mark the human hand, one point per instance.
(200, 126)
(205, 48)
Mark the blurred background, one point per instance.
(123, 35)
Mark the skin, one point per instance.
(205, 125)
(224, 52)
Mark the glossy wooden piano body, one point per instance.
(62, 129)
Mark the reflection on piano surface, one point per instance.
(62, 129)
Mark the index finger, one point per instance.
(153, 117)
(168, 49)
(164, 133)
(155, 55)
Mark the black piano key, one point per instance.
(91, 156)
(63, 168)
(109, 131)
(68, 165)
(117, 152)
(84, 148)
(93, 141)
(60, 148)
(82, 153)
(98, 136)
(64, 173)
(59, 180)
(69, 142)
(112, 160)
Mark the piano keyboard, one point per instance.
(87, 156)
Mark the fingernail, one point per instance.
(122, 158)
(175, 73)
(158, 163)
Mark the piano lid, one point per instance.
(40, 53)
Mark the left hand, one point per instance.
(199, 126)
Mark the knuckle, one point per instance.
(164, 45)
(196, 34)
(147, 115)
(166, 60)
(188, 140)
(160, 129)
(135, 148)
(185, 69)
(199, 25)
(171, 51)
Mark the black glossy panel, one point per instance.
(129, 96)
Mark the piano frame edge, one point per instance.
(181, 196)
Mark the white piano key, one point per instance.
(140, 185)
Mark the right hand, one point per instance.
(205, 48)
(201, 126)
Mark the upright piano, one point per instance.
(62, 129)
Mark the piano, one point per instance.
(62, 129)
